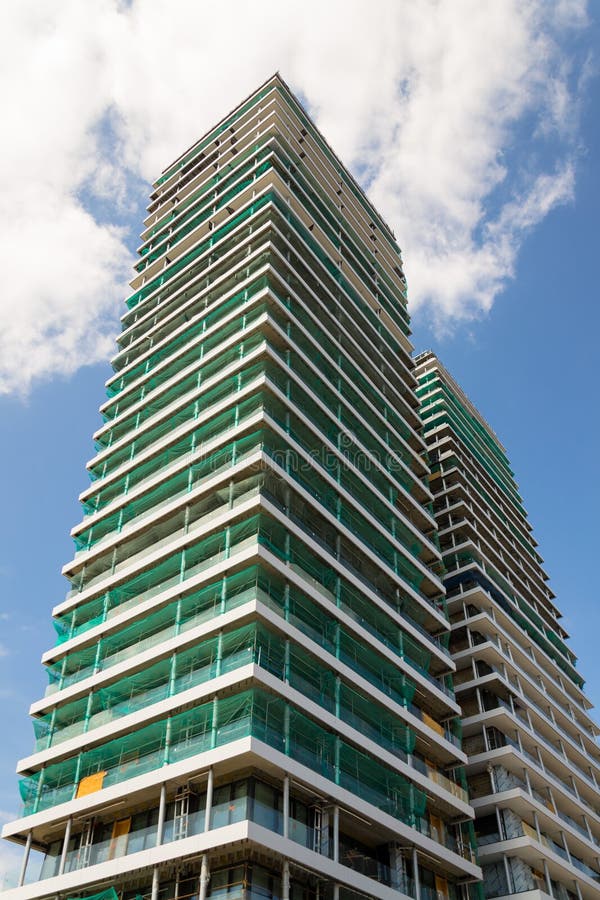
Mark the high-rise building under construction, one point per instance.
(251, 694)
(533, 770)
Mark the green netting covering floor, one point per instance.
(109, 894)
(254, 713)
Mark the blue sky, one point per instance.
(500, 239)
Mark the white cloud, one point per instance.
(433, 101)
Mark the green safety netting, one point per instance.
(192, 609)
(170, 572)
(252, 713)
(331, 306)
(217, 655)
(331, 352)
(187, 413)
(318, 204)
(174, 353)
(201, 436)
(310, 440)
(219, 357)
(276, 489)
(177, 568)
(195, 381)
(109, 894)
(184, 479)
(138, 355)
(224, 191)
(315, 331)
(163, 226)
(168, 280)
(331, 277)
(330, 274)
(313, 198)
(178, 616)
(390, 417)
(443, 412)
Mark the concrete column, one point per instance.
(508, 873)
(336, 834)
(416, 879)
(548, 879)
(285, 880)
(286, 806)
(219, 660)
(65, 846)
(500, 823)
(167, 746)
(209, 798)
(214, 720)
(155, 883)
(162, 808)
(565, 844)
(25, 860)
(286, 662)
(204, 877)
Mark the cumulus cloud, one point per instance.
(443, 108)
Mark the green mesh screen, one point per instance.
(252, 713)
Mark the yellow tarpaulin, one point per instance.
(90, 783)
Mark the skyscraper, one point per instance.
(533, 769)
(251, 690)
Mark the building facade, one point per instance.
(251, 689)
(533, 770)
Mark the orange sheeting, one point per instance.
(433, 724)
(90, 783)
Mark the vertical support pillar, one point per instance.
(286, 806)
(286, 729)
(415, 868)
(508, 874)
(336, 834)
(501, 829)
(286, 602)
(25, 860)
(286, 661)
(285, 880)
(65, 846)
(173, 670)
(87, 714)
(219, 659)
(565, 844)
(204, 877)
(548, 879)
(155, 883)
(537, 827)
(209, 798)
(214, 720)
(162, 808)
(167, 746)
